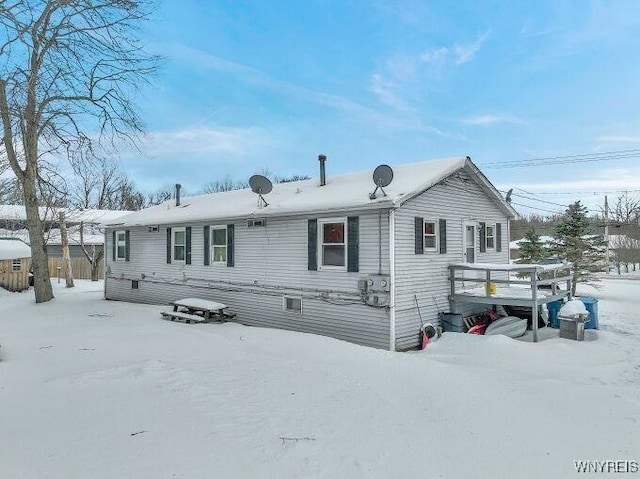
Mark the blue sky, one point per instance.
(251, 85)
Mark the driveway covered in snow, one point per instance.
(92, 388)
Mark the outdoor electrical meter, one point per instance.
(375, 289)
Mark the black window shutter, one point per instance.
(353, 244)
(113, 247)
(419, 222)
(498, 237)
(168, 245)
(483, 237)
(312, 245)
(230, 242)
(207, 245)
(443, 236)
(187, 249)
(127, 244)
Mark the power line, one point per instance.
(566, 159)
(533, 198)
(601, 192)
(536, 208)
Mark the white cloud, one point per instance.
(458, 53)
(619, 139)
(401, 73)
(201, 139)
(618, 179)
(435, 55)
(383, 89)
(489, 119)
(465, 53)
(257, 77)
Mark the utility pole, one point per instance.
(606, 231)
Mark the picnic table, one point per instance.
(198, 310)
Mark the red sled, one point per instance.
(477, 329)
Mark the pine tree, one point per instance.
(574, 243)
(532, 250)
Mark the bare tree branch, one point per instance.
(69, 71)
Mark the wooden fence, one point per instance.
(80, 267)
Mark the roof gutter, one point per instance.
(392, 279)
(374, 206)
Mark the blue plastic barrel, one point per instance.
(554, 307)
(592, 306)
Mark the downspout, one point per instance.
(392, 279)
(508, 240)
(379, 242)
(104, 259)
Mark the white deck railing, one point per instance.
(511, 285)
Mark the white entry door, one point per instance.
(470, 242)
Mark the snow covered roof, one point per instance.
(13, 248)
(341, 192)
(17, 213)
(92, 235)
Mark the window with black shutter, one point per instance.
(353, 241)
(312, 245)
(483, 237)
(443, 235)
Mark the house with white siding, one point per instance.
(323, 256)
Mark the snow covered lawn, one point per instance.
(98, 389)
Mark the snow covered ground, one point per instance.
(98, 389)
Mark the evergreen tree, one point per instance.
(532, 250)
(574, 243)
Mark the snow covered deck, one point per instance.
(511, 286)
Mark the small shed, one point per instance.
(15, 263)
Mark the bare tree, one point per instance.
(226, 184)
(160, 195)
(94, 256)
(229, 184)
(100, 183)
(93, 180)
(10, 193)
(626, 209)
(68, 71)
(290, 178)
(66, 256)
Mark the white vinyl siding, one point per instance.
(270, 262)
(459, 201)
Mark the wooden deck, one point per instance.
(511, 288)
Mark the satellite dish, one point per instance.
(382, 176)
(260, 185)
(508, 197)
